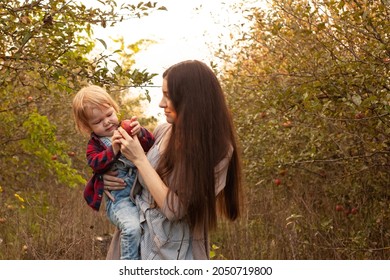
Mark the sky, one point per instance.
(188, 30)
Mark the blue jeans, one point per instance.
(124, 214)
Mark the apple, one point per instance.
(30, 98)
(126, 125)
(54, 157)
(359, 116)
(277, 181)
(71, 153)
(354, 211)
(287, 124)
(339, 208)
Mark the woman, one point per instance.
(193, 170)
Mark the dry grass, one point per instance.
(298, 220)
(295, 220)
(57, 226)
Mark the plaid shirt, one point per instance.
(100, 158)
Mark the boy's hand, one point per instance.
(135, 126)
(132, 127)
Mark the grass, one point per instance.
(57, 226)
(294, 220)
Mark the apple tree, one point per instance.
(45, 56)
(47, 53)
(310, 93)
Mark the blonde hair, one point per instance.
(87, 99)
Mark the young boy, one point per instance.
(95, 113)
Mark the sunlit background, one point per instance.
(187, 30)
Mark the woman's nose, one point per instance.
(162, 103)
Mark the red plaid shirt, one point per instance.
(100, 158)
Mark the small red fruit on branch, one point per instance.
(277, 181)
(287, 124)
(354, 211)
(339, 208)
(359, 116)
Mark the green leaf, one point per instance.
(103, 42)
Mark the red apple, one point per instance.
(287, 124)
(322, 173)
(126, 125)
(354, 211)
(54, 157)
(339, 208)
(359, 116)
(277, 181)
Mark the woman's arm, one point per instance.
(132, 150)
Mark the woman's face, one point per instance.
(166, 104)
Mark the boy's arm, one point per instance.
(98, 157)
(146, 139)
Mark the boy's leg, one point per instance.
(127, 217)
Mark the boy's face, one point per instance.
(103, 121)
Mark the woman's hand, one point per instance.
(131, 147)
(112, 183)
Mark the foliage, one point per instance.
(310, 93)
(308, 85)
(47, 53)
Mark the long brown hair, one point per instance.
(202, 136)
